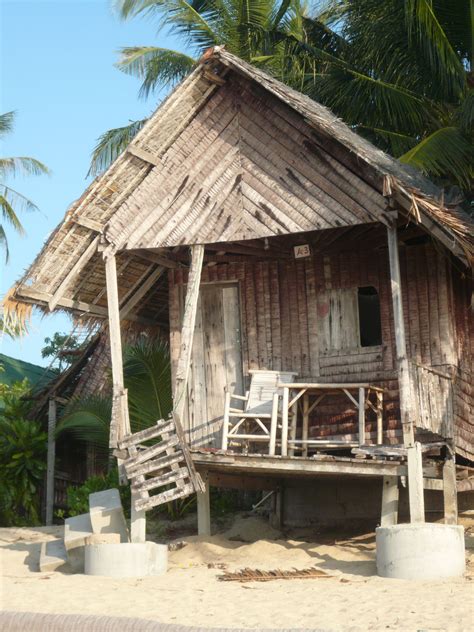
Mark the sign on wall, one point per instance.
(302, 251)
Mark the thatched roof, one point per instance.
(231, 155)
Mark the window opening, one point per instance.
(370, 326)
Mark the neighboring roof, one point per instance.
(190, 176)
(17, 370)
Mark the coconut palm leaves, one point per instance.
(404, 80)
(147, 375)
(398, 71)
(13, 203)
(247, 28)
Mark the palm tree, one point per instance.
(11, 201)
(398, 71)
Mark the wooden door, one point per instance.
(216, 362)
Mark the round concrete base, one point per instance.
(420, 551)
(129, 559)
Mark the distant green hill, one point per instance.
(16, 370)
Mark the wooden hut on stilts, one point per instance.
(316, 293)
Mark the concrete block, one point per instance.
(130, 559)
(106, 513)
(103, 538)
(420, 551)
(76, 530)
(53, 556)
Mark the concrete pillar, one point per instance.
(204, 509)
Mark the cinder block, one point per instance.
(106, 514)
(53, 556)
(76, 530)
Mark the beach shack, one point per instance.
(316, 293)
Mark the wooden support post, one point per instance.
(226, 421)
(204, 508)
(137, 522)
(415, 468)
(121, 408)
(361, 416)
(406, 410)
(450, 491)
(50, 461)
(273, 424)
(379, 408)
(389, 501)
(284, 422)
(304, 434)
(415, 483)
(277, 514)
(187, 329)
(294, 427)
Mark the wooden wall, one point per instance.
(283, 305)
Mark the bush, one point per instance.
(78, 497)
(22, 466)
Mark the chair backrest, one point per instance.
(263, 385)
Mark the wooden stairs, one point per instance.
(158, 464)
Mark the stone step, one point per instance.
(53, 556)
(76, 530)
(106, 513)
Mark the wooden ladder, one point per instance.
(162, 470)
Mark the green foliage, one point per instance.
(78, 497)
(147, 376)
(111, 144)
(11, 201)
(14, 399)
(398, 71)
(62, 348)
(22, 462)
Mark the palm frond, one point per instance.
(147, 376)
(4, 243)
(111, 144)
(445, 153)
(395, 143)
(19, 202)
(87, 420)
(362, 99)
(6, 122)
(157, 67)
(465, 114)
(22, 165)
(424, 25)
(8, 212)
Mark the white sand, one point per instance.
(191, 594)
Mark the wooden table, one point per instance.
(320, 391)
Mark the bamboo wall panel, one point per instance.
(285, 307)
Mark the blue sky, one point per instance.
(57, 73)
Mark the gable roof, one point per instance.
(231, 154)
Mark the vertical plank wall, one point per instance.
(283, 304)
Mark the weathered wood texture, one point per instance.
(464, 376)
(284, 314)
(240, 170)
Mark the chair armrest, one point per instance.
(243, 398)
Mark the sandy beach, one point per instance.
(352, 598)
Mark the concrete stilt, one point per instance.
(204, 510)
